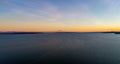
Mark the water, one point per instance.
(60, 48)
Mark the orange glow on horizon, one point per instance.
(57, 29)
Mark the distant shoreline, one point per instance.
(21, 32)
(112, 32)
(52, 32)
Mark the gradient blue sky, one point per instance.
(54, 15)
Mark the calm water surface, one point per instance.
(60, 48)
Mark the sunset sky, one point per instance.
(60, 15)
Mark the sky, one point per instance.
(60, 15)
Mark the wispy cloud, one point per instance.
(112, 14)
(46, 10)
(4, 3)
(81, 16)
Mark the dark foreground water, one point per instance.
(60, 48)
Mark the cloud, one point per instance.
(31, 14)
(81, 15)
(111, 4)
(112, 9)
(44, 11)
(4, 3)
